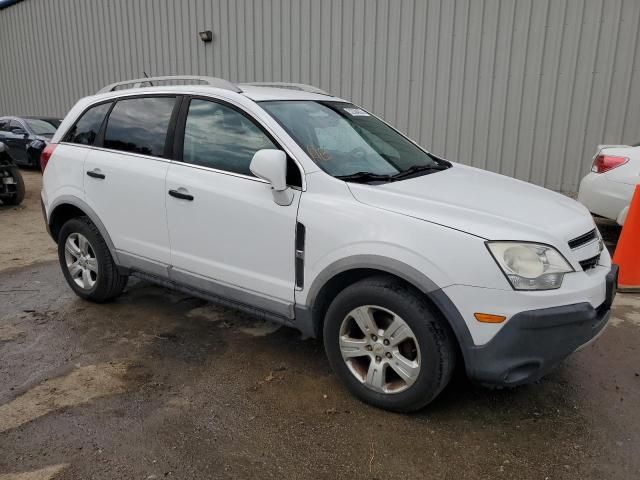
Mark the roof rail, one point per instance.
(291, 86)
(140, 82)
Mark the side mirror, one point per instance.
(271, 165)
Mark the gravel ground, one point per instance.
(159, 384)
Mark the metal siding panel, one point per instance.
(631, 123)
(393, 54)
(531, 93)
(469, 98)
(368, 74)
(525, 88)
(458, 64)
(548, 90)
(418, 41)
(358, 66)
(305, 41)
(564, 101)
(583, 89)
(493, 83)
(342, 50)
(380, 52)
(430, 74)
(443, 77)
(286, 73)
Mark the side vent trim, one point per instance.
(299, 254)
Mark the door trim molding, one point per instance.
(208, 288)
(233, 293)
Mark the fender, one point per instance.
(89, 212)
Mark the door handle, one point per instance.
(181, 195)
(96, 174)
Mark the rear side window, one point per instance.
(220, 137)
(139, 125)
(86, 129)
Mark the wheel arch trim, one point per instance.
(89, 212)
(374, 262)
(308, 322)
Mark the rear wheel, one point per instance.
(16, 197)
(387, 344)
(87, 263)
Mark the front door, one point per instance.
(227, 234)
(17, 139)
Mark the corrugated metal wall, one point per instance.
(527, 88)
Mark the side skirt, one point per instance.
(228, 296)
(302, 321)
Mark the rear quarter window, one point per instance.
(86, 129)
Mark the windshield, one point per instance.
(343, 139)
(40, 127)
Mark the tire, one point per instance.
(17, 197)
(429, 345)
(98, 280)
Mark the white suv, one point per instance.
(286, 202)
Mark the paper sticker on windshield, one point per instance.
(356, 112)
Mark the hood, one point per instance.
(482, 203)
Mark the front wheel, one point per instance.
(87, 263)
(388, 345)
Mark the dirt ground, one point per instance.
(162, 385)
(23, 236)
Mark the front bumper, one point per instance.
(534, 342)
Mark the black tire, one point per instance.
(18, 196)
(109, 282)
(434, 338)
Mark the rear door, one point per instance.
(228, 236)
(125, 178)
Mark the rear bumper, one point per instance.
(44, 215)
(604, 197)
(534, 342)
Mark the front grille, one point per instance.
(583, 239)
(590, 263)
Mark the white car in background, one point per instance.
(607, 190)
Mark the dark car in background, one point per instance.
(52, 120)
(26, 137)
(11, 181)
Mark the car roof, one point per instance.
(262, 93)
(257, 93)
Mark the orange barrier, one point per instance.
(627, 254)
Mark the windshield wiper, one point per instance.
(365, 177)
(419, 169)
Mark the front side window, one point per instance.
(139, 125)
(86, 129)
(220, 137)
(16, 126)
(344, 140)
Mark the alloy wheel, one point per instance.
(81, 261)
(380, 349)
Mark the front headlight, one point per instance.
(530, 266)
